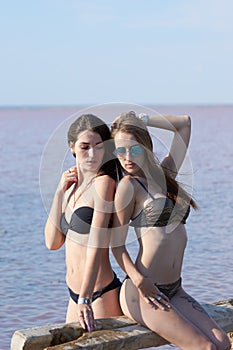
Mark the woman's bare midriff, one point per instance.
(161, 253)
(75, 264)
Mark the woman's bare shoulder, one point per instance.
(125, 189)
(104, 187)
(104, 180)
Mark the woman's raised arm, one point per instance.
(54, 238)
(181, 127)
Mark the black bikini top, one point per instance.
(80, 221)
(160, 212)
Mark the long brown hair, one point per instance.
(128, 123)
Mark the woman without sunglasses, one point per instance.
(81, 220)
(149, 199)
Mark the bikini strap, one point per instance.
(143, 186)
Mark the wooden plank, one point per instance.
(222, 312)
(111, 333)
(131, 337)
(38, 338)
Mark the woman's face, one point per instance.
(89, 150)
(130, 153)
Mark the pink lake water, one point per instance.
(33, 290)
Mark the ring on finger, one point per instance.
(160, 294)
(159, 297)
(153, 300)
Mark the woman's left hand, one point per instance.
(86, 317)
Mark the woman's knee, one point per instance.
(225, 343)
(222, 340)
(222, 344)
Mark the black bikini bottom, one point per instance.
(113, 285)
(168, 289)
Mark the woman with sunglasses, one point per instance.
(80, 217)
(150, 200)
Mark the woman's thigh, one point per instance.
(71, 313)
(169, 324)
(108, 305)
(194, 312)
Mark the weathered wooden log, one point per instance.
(111, 333)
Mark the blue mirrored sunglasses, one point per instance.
(134, 151)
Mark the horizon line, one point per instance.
(43, 106)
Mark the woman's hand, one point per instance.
(69, 177)
(86, 317)
(152, 295)
(115, 121)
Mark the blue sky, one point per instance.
(72, 52)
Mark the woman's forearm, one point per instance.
(181, 128)
(169, 122)
(123, 259)
(91, 270)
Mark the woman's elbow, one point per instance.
(52, 244)
(49, 245)
(187, 121)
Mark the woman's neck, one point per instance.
(85, 177)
